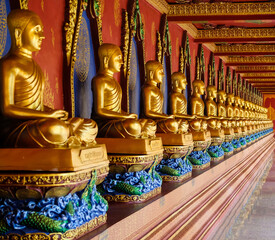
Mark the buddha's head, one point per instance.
(178, 81)
(198, 87)
(211, 91)
(110, 57)
(230, 98)
(26, 30)
(237, 100)
(154, 71)
(221, 96)
(242, 102)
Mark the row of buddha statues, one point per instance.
(26, 123)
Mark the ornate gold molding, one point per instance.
(221, 9)
(263, 75)
(159, 47)
(255, 68)
(132, 27)
(161, 5)
(235, 33)
(251, 59)
(246, 48)
(24, 4)
(265, 84)
(70, 28)
(261, 80)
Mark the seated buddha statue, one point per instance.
(214, 123)
(25, 121)
(152, 99)
(178, 103)
(112, 121)
(222, 112)
(199, 125)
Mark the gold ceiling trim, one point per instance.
(255, 68)
(190, 28)
(261, 80)
(251, 59)
(222, 9)
(237, 33)
(264, 75)
(161, 5)
(246, 48)
(265, 84)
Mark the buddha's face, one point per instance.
(214, 93)
(237, 100)
(33, 35)
(222, 95)
(201, 89)
(230, 98)
(182, 83)
(115, 61)
(159, 74)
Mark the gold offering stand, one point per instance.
(176, 146)
(43, 173)
(132, 155)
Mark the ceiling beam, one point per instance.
(236, 35)
(221, 11)
(251, 60)
(244, 49)
(244, 69)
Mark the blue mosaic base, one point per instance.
(174, 167)
(51, 214)
(215, 151)
(235, 143)
(131, 183)
(227, 147)
(199, 157)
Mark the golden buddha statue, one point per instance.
(222, 112)
(113, 122)
(25, 120)
(229, 107)
(178, 103)
(198, 126)
(222, 108)
(214, 123)
(153, 99)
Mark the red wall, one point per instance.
(50, 57)
(269, 103)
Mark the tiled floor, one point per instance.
(259, 221)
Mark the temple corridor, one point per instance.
(257, 217)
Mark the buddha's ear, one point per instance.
(196, 89)
(151, 75)
(106, 62)
(18, 37)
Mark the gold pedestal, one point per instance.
(131, 146)
(133, 198)
(181, 178)
(133, 163)
(229, 131)
(228, 154)
(197, 168)
(53, 159)
(217, 133)
(217, 159)
(201, 135)
(170, 139)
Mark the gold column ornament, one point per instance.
(24, 4)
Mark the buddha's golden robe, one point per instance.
(119, 128)
(45, 132)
